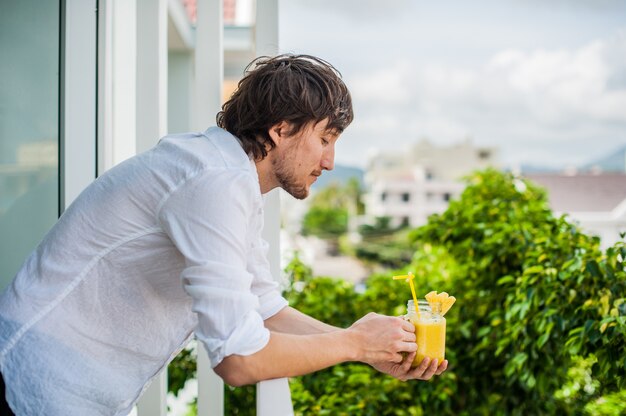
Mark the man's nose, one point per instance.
(328, 160)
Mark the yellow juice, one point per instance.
(430, 331)
(431, 339)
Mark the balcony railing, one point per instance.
(273, 397)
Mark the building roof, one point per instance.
(583, 192)
(613, 162)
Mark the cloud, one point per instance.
(561, 85)
(387, 86)
(516, 98)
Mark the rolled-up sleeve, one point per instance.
(208, 218)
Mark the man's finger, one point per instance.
(430, 371)
(420, 369)
(408, 346)
(410, 337)
(408, 326)
(397, 358)
(442, 367)
(408, 360)
(424, 370)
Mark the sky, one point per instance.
(543, 82)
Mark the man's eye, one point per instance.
(324, 141)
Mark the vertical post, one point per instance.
(209, 76)
(128, 105)
(151, 104)
(208, 63)
(210, 386)
(124, 75)
(266, 28)
(105, 86)
(273, 397)
(117, 84)
(151, 124)
(266, 43)
(78, 97)
(153, 401)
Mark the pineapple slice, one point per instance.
(431, 297)
(446, 300)
(447, 304)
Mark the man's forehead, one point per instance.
(323, 127)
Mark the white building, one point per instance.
(409, 187)
(90, 83)
(596, 202)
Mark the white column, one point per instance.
(105, 86)
(266, 43)
(266, 28)
(132, 104)
(207, 90)
(153, 401)
(78, 95)
(117, 82)
(208, 63)
(273, 396)
(180, 67)
(151, 72)
(120, 93)
(210, 386)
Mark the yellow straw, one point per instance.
(409, 279)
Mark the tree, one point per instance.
(539, 326)
(534, 294)
(329, 210)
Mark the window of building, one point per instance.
(484, 154)
(406, 197)
(383, 196)
(29, 132)
(447, 196)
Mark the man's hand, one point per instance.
(403, 371)
(380, 338)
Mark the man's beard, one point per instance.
(287, 179)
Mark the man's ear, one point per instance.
(279, 131)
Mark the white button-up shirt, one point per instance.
(161, 247)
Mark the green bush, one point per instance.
(325, 222)
(534, 293)
(536, 298)
(329, 209)
(539, 326)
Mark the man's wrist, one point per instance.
(353, 342)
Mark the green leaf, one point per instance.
(542, 340)
(519, 359)
(504, 280)
(533, 270)
(576, 331)
(483, 331)
(593, 269)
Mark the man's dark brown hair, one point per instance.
(298, 89)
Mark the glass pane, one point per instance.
(29, 140)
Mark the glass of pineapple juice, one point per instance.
(430, 330)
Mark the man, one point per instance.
(167, 245)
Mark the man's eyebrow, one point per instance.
(332, 132)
